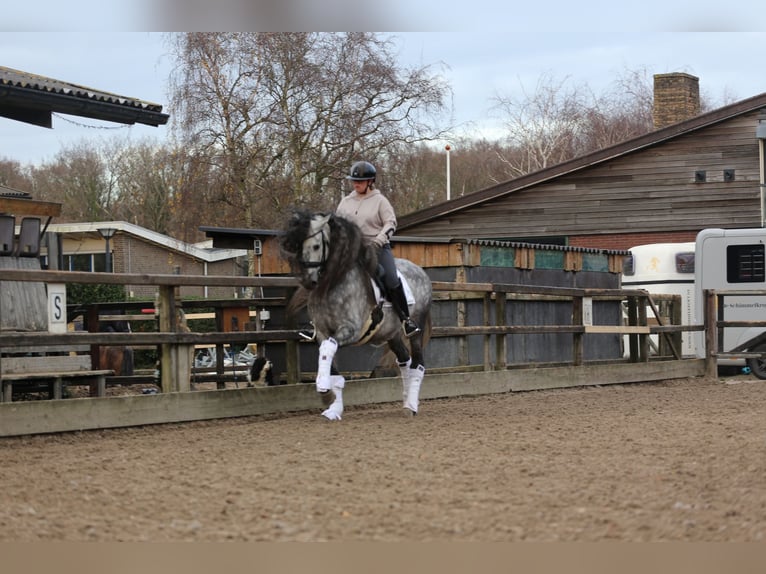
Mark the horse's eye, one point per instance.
(316, 247)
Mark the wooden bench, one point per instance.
(52, 371)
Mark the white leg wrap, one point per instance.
(327, 352)
(335, 410)
(404, 370)
(414, 380)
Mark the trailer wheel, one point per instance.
(758, 366)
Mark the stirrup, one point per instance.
(307, 335)
(410, 327)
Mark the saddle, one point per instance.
(381, 297)
(379, 288)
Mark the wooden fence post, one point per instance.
(176, 360)
(632, 322)
(487, 301)
(292, 347)
(501, 357)
(577, 338)
(711, 334)
(643, 339)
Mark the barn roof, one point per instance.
(30, 98)
(653, 138)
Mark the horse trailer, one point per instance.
(733, 259)
(668, 269)
(721, 259)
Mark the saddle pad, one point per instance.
(407, 290)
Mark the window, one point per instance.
(628, 266)
(85, 262)
(745, 264)
(685, 262)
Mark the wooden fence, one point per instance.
(176, 402)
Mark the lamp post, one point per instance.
(107, 233)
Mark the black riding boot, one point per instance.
(399, 302)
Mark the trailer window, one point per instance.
(745, 264)
(628, 265)
(685, 262)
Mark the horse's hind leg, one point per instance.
(412, 376)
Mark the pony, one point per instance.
(338, 276)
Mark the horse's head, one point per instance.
(322, 248)
(315, 251)
(306, 243)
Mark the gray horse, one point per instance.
(335, 268)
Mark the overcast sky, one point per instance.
(488, 48)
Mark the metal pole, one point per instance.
(447, 148)
(108, 263)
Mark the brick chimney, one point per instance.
(676, 98)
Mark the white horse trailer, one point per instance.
(667, 269)
(734, 259)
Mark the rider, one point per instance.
(372, 212)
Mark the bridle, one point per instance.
(325, 248)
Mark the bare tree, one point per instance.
(77, 178)
(279, 117)
(14, 175)
(147, 176)
(557, 122)
(623, 112)
(543, 125)
(415, 177)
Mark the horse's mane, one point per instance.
(347, 248)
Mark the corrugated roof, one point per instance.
(9, 76)
(545, 246)
(25, 96)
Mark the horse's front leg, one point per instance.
(330, 385)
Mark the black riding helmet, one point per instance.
(361, 171)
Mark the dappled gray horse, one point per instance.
(334, 266)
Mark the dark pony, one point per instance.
(335, 269)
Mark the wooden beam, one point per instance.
(35, 417)
(16, 206)
(624, 329)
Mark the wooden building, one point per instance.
(692, 172)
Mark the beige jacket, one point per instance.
(372, 212)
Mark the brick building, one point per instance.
(135, 249)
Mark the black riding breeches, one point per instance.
(386, 261)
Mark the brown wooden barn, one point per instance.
(692, 172)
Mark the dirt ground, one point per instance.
(669, 461)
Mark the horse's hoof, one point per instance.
(409, 413)
(327, 397)
(331, 415)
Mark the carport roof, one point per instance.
(30, 98)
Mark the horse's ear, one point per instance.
(324, 219)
